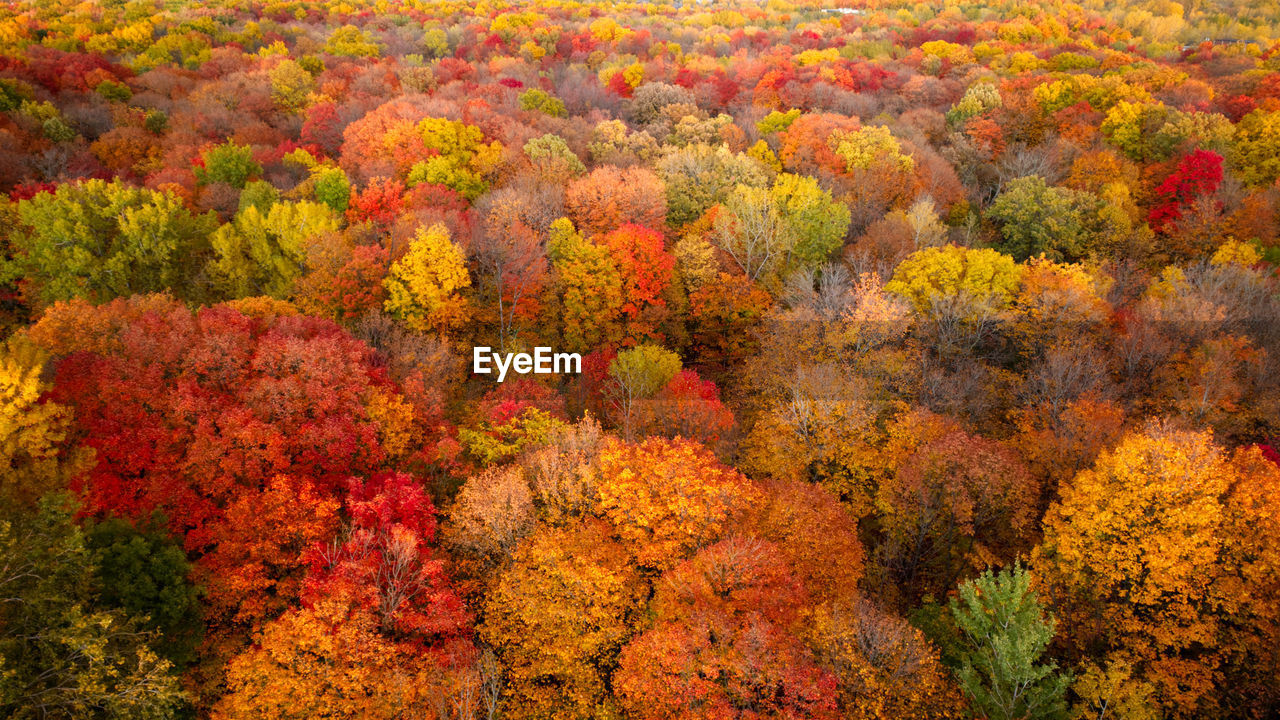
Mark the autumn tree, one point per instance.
(385, 562)
(721, 644)
(589, 288)
(264, 252)
(952, 505)
(885, 667)
(557, 617)
(1143, 559)
(645, 270)
(665, 498)
(38, 455)
(329, 659)
(610, 197)
(100, 240)
(424, 286)
(1255, 152)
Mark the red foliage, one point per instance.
(506, 401)
(385, 561)
(381, 202)
(687, 407)
(647, 269)
(357, 287)
(721, 646)
(1197, 175)
(189, 411)
(323, 128)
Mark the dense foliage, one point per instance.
(930, 359)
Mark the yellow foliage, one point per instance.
(423, 286)
(34, 457)
(1239, 253)
(666, 498)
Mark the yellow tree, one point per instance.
(886, 668)
(423, 287)
(1160, 556)
(35, 455)
(558, 616)
(667, 498)
(327, 660)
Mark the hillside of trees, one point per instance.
(930, 360)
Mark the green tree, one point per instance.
(1005, 633)
(228, 163)
(1035, 218)
(978, 99)
(63, 658)
(100, 241)
(332, 187)
(264, 253)
(699, 176)
(553, 159)
(540, 101)
(144, 573)
(817, 221)
(777, 121)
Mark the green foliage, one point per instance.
(260, 194)
(62, 657)
(777, 121)
(113, 91)
(435, 42)
(1148, 131)
(539, 101)
(552, 156)
(261, 253)
(156, 121)
(291, 86)
(144, 573)
(818, 222)
(1006, 632)
(101, 240)
(58, 131)
(700, 176)
(13, 93)
(978, 99)
(333, 188)
(228, 163)
(1035, 219)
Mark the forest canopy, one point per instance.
(929, 360)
